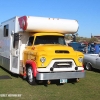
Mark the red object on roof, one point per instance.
(23, 22)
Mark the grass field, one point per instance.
(87, 89)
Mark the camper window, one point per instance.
(6, 30)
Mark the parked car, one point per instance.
(91, 61)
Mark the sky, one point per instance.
(86, 12)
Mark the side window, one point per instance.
(30, 41)
(6, 30)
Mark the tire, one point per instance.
(30, 78)
(88, 67)
(77, 80)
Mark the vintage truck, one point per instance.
(34, 47)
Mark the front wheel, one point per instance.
(30, 78)
(88, 67)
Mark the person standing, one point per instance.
(96, 48)
(86, 49)
(89, 47)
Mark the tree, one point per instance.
(93, 39)
(68, 37)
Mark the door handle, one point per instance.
(96, 58)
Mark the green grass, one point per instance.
(87, 89)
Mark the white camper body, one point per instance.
(10, 54)
(11, 49)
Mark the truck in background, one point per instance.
(34, 47)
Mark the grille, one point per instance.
(61, 51)
(62, 65)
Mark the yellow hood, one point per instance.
(54, 48)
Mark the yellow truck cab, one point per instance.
(38, 50)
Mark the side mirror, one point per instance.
(74, 38)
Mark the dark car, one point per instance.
(77, 46)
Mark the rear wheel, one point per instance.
(88, 67)
(30, 78)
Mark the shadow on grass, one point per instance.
(5, 77)
(96, 70)
(57, 82)
(11, 74)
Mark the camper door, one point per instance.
(15, 53)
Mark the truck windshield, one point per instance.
(49, 39)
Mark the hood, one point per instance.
(54, 48)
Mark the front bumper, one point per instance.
(60, 75)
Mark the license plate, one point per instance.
(63, 80)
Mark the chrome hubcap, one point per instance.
(30, 75)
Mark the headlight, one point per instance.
(80, 59)
(42, 59)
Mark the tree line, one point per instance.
(82, 39)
